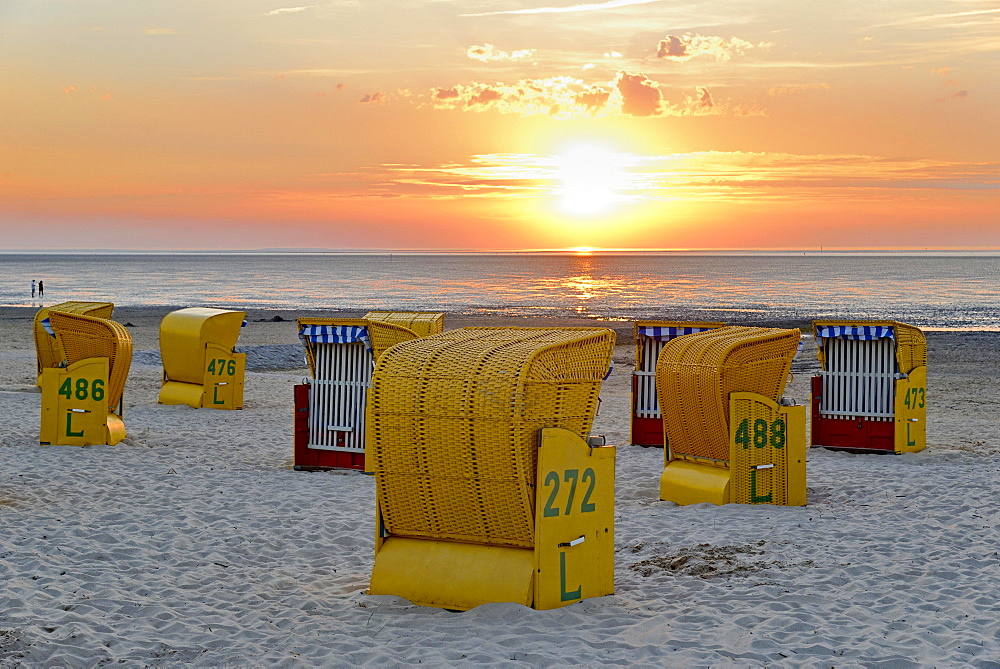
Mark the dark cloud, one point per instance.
(373, 98)
(593, 99)
(640, 94)
(485, 97)
(672, 47)
(705, 98)
(444, 93)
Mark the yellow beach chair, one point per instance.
(422, 323)
(871, 392)
(731, 438)
(200, 365)
(82, 402)
(384, 335)
(649, 338)
(387, 328)
(330, 411)
(47, 349)
(487, 486)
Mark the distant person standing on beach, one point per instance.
(41, 288)
(32, 287)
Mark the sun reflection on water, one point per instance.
(931, 292)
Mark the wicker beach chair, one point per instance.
(387, 328)
(384, 335)
(200, 365)
(47, 348)
(649, 338)
(83, 337)
(477, 440)
(871, 392)
(330, 410)
(422, 323)
(89, 389)
(719, 393)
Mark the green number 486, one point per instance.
(82, 389)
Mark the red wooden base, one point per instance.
(647, 431)
(861, 434)
(312, 459)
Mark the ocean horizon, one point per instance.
(581, 251)
(933, 289)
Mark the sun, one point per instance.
(590, 178)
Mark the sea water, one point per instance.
(932, 290)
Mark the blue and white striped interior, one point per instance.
(335, 334)
(856, 332)
(664, 333)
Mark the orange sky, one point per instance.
(499, 124)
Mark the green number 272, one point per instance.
(571, 477)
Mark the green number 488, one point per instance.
(762, 434)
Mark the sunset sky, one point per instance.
(499, 124)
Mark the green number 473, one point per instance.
(915, 398)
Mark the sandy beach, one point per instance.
(194, 542)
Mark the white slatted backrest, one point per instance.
(343, 373)
(859, 379)
(647, 404)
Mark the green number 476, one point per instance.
(220, 366)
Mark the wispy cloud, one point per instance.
(332, 72)
(947, 19)
(791, 89)
(690, 45)
(289, 10)
(488, 53)
(706, 176)
(585, 7)
(630, 94)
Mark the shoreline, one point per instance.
(621, 325)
